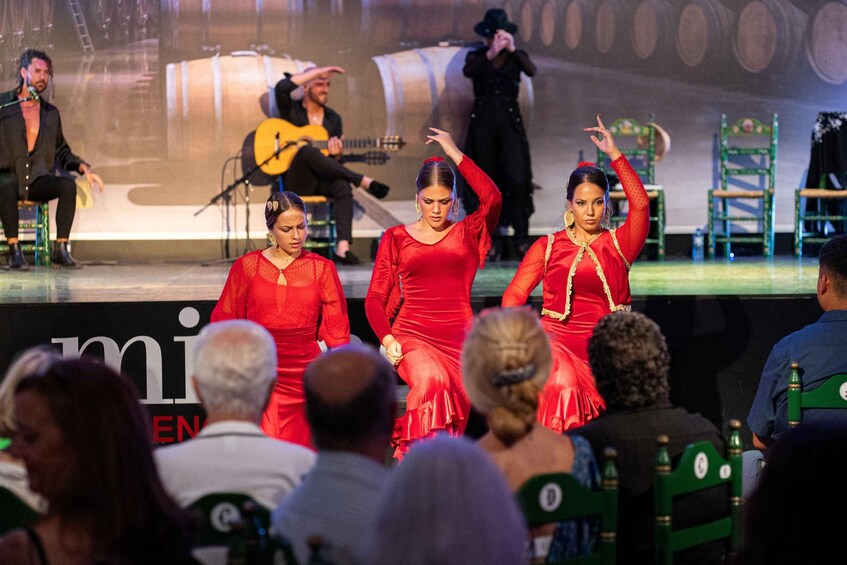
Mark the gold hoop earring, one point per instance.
(272, 240)
(418, 209)
(569, 218)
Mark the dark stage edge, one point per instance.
(720, 318)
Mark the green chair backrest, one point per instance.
(831, 394)
(556, 497)
(216, 512)
(751, 138)
(14, 512)
(700, 467)
(636, 141)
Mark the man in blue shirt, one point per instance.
(821, 351)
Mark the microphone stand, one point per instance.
(225, 194)
(17, 101)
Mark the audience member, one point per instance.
(85, 441)
(792, 517)
(448, 504)
(12, 469)
(350, 406)
(234, 373)
(818, 349)
(505, 363)
(629, 359)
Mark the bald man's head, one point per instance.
(350, 397)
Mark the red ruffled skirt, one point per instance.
(569, 398)
(436, 400)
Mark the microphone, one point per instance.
(33, 93)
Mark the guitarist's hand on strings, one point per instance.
(335, 147)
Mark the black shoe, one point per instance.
(16, 257)
(378, 189)
(348, 259)
(61, 256)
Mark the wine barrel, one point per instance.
(549, 19)
(826, 42)
(612, 23)
(704, 33)
(653, 23)
(213, 102)
(405, 23)
(579, 22)
(769, 35)
(415, 89)
(231, 25)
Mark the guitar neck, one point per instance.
(348, 143)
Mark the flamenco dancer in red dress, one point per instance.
(419, 299)
(585, 274)
(297, 296)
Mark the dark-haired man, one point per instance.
(820, 351)
(350, 406)
(311, 172)
(31, 144)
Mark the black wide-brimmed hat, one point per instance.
(494, 19)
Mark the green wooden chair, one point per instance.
(825, 212)
(14, 512)
(556, 497)
(700, 467)
(748, 149)
(216, 512)
(319, 214)
(832, 393)
(34, 226)
(638, 142)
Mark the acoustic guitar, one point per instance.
(277, 141)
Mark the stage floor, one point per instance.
(177, 282)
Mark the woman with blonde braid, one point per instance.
(584, 270)
(505, 361)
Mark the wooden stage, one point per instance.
(720, 318)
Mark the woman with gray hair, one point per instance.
(448, 504)
(505, 362)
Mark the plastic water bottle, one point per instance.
(697, 245)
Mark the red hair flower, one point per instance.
(585, 164)
(434, 160)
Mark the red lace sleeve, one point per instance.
(384, 293)
(335, 324)
(484, 220)
(529, 274)
(633, 233)
(232, 303)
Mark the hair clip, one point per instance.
(513, 376)
(434, 160)
(585, 164)
(273, 205)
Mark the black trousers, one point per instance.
(313, 173)
(42, 189)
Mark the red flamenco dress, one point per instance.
(582, 282)
(300, 305)
(431, 286)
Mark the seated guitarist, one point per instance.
(311, 172)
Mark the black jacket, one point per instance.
(51, 150)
